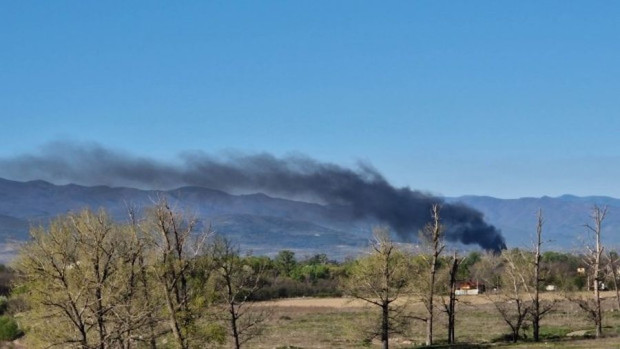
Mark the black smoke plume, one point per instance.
(364, 190)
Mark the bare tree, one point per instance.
(612, 268)
(139, 294)
(450, 305)
(46, 265)
(510, 300)
(94, 283)
(432, 238)
(592, 259)
(174, 245)
(536, 308)
(77, 272)
(521, 277)
(380, 279)
(539, 308)
(239, 281)
(598, 215)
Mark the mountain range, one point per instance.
(265, 225)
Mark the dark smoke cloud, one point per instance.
(364, 190)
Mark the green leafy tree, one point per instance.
(285, 262)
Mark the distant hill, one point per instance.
(266, 225)
(257, 222)
(564, 216)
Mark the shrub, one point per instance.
(287, 288)
(9, 330)
(4, 302)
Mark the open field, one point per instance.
(344, 323)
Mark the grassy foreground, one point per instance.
(342, 323)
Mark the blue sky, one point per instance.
(498, 98)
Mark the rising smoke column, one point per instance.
(364, 190)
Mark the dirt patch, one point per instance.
(577, 333)
(343, 302)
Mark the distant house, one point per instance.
(551, 288)
(601, 286)
(581, 270)
(469, 288)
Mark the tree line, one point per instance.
(162, 280)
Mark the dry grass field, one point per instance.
(304, 323)
(344, 323)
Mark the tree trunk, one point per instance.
(431, 309)
(614, 273)
(521, 314)
(231, 304)
(174, 323)
(599, 216)
(431, 295)
(536, 310)
(147, 297)
(437, 248)
(100, 319)
(515, 334)
(385, 325)
(429, 330)
(452, 301)
(598, 315)
(233, 325)
(536, 327)
(99, 314)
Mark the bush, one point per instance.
(4, 302)
(16, 305)
(9, 330)
(288, 288)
